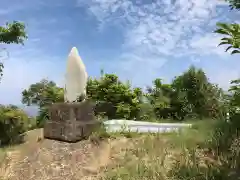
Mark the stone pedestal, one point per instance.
(70, 122)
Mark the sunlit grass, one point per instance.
(161, 156)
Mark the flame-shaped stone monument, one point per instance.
(72, 120)
(75, 78)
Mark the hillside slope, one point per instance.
(121, 156)
(40, 159)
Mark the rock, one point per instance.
(75, 78)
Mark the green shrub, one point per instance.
(13, 122)
(42, 117)
(223, 147)
(190, 95)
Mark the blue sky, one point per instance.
(138, 40)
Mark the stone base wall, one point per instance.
(70, 122)
(59, 131)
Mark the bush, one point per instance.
(114, 98)
(146, 112)
(13, 122)
(227, 131)
(223, 148)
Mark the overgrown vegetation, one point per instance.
(13, 122)
(159, 156)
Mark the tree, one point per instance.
(233, 36)
(234, 4)
(113, 98)
(159, 97)
(231, 30)
(42, 94)
(194, 95)
(225, 138)
(12, 33)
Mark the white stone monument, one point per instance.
(72, 120)
(75, 78)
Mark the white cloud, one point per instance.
(161, 27)
(159, 30)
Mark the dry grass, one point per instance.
(149, 157)
(123, 156)
(161, 156)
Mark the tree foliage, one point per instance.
(225, 140)
(159, 98)
(226, 137)
(232, 31)
(234, 4)
(13, 122)
(196, 96)
(189, 94)
(228, 131)
(12, 33)
(42, 94)
(113, 98)
(233, 36)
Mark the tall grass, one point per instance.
(222, 158)
(182, 156)
(139, 161)
(164, 156)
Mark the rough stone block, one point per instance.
(70, 122)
